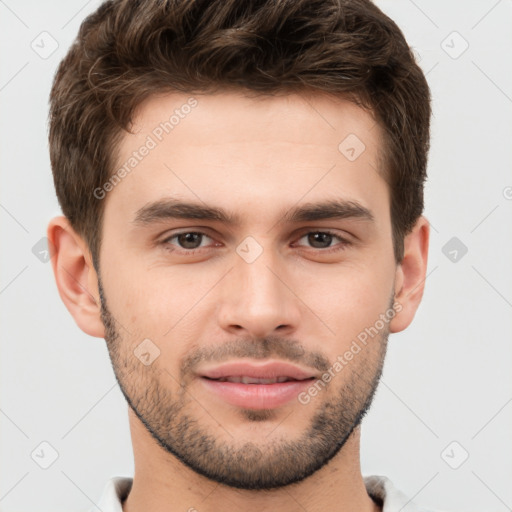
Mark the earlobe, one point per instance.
(75, 276)
(410, 275)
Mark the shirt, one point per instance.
(379, 488)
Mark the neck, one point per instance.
(162, 483)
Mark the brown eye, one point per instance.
(187, 241)
(320, 240)
(323, 240)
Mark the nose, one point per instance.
(258, 298)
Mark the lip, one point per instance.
(267, 370)
(256, 396)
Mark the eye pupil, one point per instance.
(323, 238)
(185, 239)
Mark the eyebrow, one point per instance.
(169, 208)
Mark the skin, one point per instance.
(257, 158)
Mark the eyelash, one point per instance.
(190, 252)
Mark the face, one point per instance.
(250, 232)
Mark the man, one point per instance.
(242, 189)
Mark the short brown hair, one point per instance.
(128, 50)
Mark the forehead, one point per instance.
(306, 118)
(243, 152)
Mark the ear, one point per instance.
(410, 275)
(75, 276)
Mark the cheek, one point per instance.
(162, 303)
(348, 300)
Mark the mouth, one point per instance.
(244, 379)
(256, 386)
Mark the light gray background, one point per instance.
(447, 378)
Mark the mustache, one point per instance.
(263, 348)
